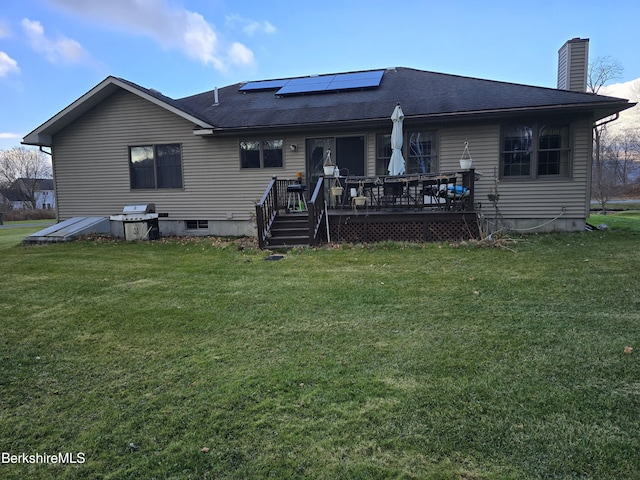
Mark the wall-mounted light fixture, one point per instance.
(293, 147)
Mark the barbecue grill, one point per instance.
(140, 221)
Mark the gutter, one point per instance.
(409, 119)
(607, 121)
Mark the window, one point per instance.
(516, 151)
(535, 151)
(419, 152)
(422, 152)
(156, 166)
(553, 150)
(261, 154)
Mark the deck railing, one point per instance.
(266, 211)
(442, 190)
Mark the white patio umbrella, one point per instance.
(396, 164)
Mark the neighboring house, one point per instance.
(27, 193)
(205, 160)
(13, 199)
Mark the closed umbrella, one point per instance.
(396, 164)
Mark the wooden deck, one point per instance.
(426, 208)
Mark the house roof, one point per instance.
(424, 96)
(14, 195)
(39, 183)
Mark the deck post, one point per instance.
(275, 191)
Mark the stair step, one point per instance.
(290, 232)
(290, 224)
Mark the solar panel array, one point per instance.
(322, 83)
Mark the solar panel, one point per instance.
(306, 85)
(373, 75)
(263, 85)
(341, 81)
(320, 79)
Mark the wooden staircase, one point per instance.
(289, 230)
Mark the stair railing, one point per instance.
(266, 211)
(316, 213)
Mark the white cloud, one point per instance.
(199, 40)
(62, 49)
(630, 90)
(169, 26)
(240, 55)
(9, 136)
(250, 27)
(630, 118)
(7, 65)
(257, 27)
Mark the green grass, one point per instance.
(628, 220)
(10, 237)
(428, 361)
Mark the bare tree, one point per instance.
(23, 168)
(601, 71)
(627, 146)
(604, 173)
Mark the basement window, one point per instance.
(197, 224)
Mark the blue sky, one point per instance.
(54, 51)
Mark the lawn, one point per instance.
(200, 359)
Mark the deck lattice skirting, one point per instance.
(403, 227)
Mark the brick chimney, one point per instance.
(573, 62)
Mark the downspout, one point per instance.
(45, 152)
(596, 137)
(55, 190)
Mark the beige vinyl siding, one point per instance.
(520, 199)
(92, 165)
(370, 152)
(550, 197)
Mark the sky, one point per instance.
(54, 51)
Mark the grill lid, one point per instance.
(140, 208)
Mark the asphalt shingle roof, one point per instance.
(425, 96)
(421, 94)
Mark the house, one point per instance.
(205, 160)
(29, 193)
(13, 199)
